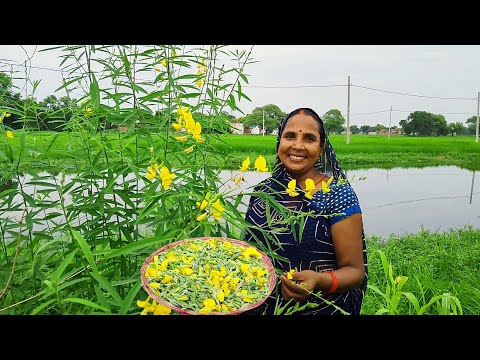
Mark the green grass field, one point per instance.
(48, 151)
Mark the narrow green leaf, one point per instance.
(42, 306)
(130, 297)
(85, 249)
(140, 244)
(61, 268)
(110, 289)
(86, 303)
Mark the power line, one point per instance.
(414, 95)
(10, 62)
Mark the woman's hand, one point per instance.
(300, 287)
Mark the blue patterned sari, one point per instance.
(298, 228)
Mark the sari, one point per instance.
(297, 228)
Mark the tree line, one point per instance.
(54, 114)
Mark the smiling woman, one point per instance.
(322, 251)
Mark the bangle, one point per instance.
(334, 286)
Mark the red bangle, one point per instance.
(334, 286)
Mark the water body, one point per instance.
(409, 200)
(395, 201)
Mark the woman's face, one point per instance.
(299, 147)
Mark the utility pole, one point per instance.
(263, 129)
(478, 107)
(348, 112)
(390, 122)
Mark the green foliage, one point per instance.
(333, 121)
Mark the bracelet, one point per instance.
(334, 286)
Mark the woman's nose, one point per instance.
(298, 145)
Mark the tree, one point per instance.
(472, 125)
(273, 117)
(354, 129)
(439, 125)
(418, 123)
(365, 129)
(333, 121)
(456, 128)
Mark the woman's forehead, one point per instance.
(302, 122)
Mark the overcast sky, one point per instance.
(441, 79)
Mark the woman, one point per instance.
(322, 251)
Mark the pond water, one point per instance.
(409, 200)
(396, 201)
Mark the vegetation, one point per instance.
(143, 159)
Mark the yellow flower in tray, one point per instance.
(211, 276)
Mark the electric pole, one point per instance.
(390, 122)
(348, 112)
(263, 129)
(478, 107)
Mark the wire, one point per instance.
(415, 95)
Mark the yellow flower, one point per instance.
(9, 134)
(290, 273)
(217, 205)
(220, 296)
(166, 177)
(167, 279)
(199, 83)
(157, 69)
(261, 164)
(164, 62)
(245, 164)
(325, 185)
(181, 138)
(177, 126)
(150, 272)
(202, 217)
(237, 179)
(209, 304)
(251, 251)
(196, 132)
(162, 310)
(187, 271)
(291, 188)
(189, 150)
(309, 187)
(189, 123)
(216, 215)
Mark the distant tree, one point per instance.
(354, 129)
(418, 123)
(472, 125)
(378, 127)
(456, 128)
(273, 117)
(439, 125)
(333, 121)
(365, 129)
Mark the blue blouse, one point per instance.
(312, 247)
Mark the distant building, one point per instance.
(237, 128)
(255, 130)
(397, 131)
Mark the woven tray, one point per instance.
(265, 260)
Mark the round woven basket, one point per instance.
(272, 278)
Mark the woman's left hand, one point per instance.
(301, 285)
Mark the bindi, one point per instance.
(300, 130)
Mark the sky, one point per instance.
(440, 79)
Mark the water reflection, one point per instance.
(395, 201)
(409, 200)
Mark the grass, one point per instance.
(434, 263)
(52, 151)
